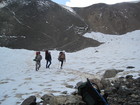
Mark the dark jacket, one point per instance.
(48, 56)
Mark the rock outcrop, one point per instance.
(122, 91)
(111, 19)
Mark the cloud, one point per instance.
(84, 3)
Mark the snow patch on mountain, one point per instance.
(68, 8)
(44, 3)
(2, 4)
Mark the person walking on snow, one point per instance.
(38, 59)
(61, 58)
(48, 58)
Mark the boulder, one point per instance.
(29, 101)
(111, 73)
(49, 99)
(62, 100)
(97, 81)
(130, 67)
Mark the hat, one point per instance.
(38, 52)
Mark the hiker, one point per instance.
(61, 58)
(38, 59)
(48, 58)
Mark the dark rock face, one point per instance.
(29, 101)
(42, 24)
(112, 19)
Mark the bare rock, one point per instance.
(29, 101)
(62, 100)
(111, 73)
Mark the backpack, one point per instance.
(61, 56)
(90, 94)
(38, 58)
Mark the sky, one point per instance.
(84, 3)
(19, 80)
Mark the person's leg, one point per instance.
(61, 64)
(49, 64)
(38, 65)
(36, 68)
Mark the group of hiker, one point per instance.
(48, 59)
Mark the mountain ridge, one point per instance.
(116, 19)
(44, 24)
(43, 27)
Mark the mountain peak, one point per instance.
(42, 24)
(112, 19)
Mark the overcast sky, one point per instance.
(84, 3)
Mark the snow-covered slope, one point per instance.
(19, 79)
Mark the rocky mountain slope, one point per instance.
(42, 24)
(112, 19)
